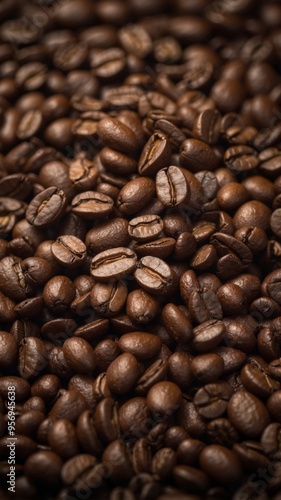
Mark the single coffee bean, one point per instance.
(155, 155)
(91, 204)
(109, 234)
(154, 275)
(117, 135)
(188, 451)
(141, 307)
(145, 228)
(106, 420)
(33, 357)
(270, 440)
(179, 370)
(46, 386)
(46, 208)
(116, 457)
(123, 373)
(211, 400)
(44, 467)
(8, 350)
(79, 355)
(58, 294)
(208, 335)
(241, 158)
(256, 379)
(273, 406)
(108, 299)
(178, 326)
(135, 195)
(117, 162)
(113, 264)
(172, 187)
(190, 478)
(271, 286)
(221, 464)
(69, 405)
(207, 126)
(207, 367)
(195, 155)
(164, 398)
(87, 435)
(12, 281)
(69, 251)
(221, 431)
(155, 373)
(161, 247)
(252, 213)
(63, 439)
(74, 467)
(247, 414)
(142, 345)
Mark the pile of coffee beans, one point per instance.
(140, 249)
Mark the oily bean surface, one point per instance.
(140, 249)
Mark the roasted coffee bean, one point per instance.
(270, 440)
(179, 370)
(8, 350)
(58, 294)
(178, 326)
(46, 208)
(247, 414)
(123, 373)
(208, 335)
(189, 450)
(75, 467)
(164, 398)
(46, 386)
(113, 264)
(79, 355)
(63, 439)
(91, 204)
(250, 455)
(271, 286)
(207, 367)
(155, 155)
(108, 299)
(32, 358)
(155, 373)
(142, 345)
(44, 467)
(117, 135)
(106, 420)
(195, 155)
(190, 478)
(207, 126)
(154, 275)
(162, 247)
(220, 431)
(134, 417)
(135, 195)
(141, 307)
(69, 251)
(256, 380)
(172, 188)
(106, 235)
(252, 213)
(211, 400)
(145, 228)
(220, 463)
(69, 405)
(87, 435)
